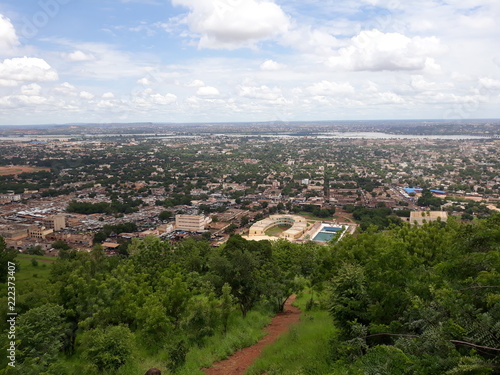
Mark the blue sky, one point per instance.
(64, 61)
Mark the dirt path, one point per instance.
(240, 361)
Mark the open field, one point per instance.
(277, 230)
(18, 169)
(28, 271)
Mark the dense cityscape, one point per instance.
(233, 180)
(249, 187)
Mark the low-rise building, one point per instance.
(298, 226)
(56, 222)
(39, 233)
(14, 232)
(192, 223)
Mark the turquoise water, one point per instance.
(324, 236)
(331, 229)
(327, 233)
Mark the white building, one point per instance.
(298, 226)
(56, 222)
(192, 223)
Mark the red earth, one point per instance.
(240, 361)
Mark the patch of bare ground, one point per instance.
(240, 361)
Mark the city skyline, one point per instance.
(65, 61)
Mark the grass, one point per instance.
(241, 333)
(302, 350)
(29, 272)
(277, 230)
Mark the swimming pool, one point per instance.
(326, 233)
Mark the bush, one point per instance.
(107, 349)
(35, 250)
(61, 245)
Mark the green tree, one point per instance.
(7, 256)
(107, 349)
(239, 264)
(230, 228)
(165, 215)
(154, 324)
(41, 331)
(35, 250)
(226, 306)
(61, 245)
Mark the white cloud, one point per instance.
(144, 82)
(147, 98)
(31, 89)
(489, 83)
(331, 88)
(66, 88)
(196, 83)
(106, 62)
(108, 95)
(8, 83)
(79, 56)
(419, 83)
(260, 92)
(13, 101)
(8, 37)
(271, 65)
(311, 40)
(105, 104)
(163, 99)
(233, 24)
(86, 95)
(386, 98)
(207, 91)
(376, 51)
(27, 69)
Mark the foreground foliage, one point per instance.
(408, 300)
(419, 300)
(102, 314)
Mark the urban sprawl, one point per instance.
(107, 189)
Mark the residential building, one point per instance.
(192, 223)
(56, 222)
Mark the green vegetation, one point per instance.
(241, 332)
(126, 206)
(170, 306)
(304, 349)
(165, 215)
(277, 230)
(27, 271)
(61, 245)
(418, 300)
(314, 212)
(108, 230)
(427, 199)
(381, 217)
(407, 300)
(7, 256)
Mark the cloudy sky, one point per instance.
(65, 61)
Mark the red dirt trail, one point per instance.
(240, 361)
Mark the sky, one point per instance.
(102, 61)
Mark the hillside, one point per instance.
(407, 300)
